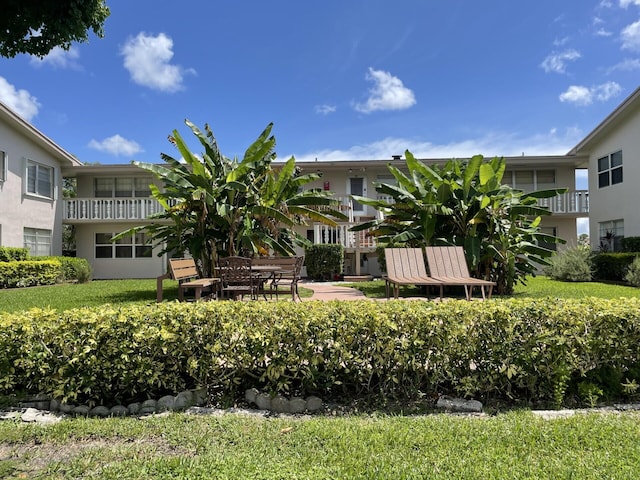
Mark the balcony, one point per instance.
(341, 235)
(109, 209)
(570, 203)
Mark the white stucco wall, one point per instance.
(18, 209)
(620, 201)
(114, 268)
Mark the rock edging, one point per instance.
(281, 404)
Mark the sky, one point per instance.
(341, 80)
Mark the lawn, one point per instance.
(514, 445)
(94, 294)
(536, 287)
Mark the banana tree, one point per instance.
(465, 203)
(217, 206)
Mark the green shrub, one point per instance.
(13, 254)
(633, 273)
(28, 273)
(516, 350)
(611, 266)
(73, 268)
(630, 244)
(324, 261)
(571, 265)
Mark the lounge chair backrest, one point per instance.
(405, 262)
(447, 262)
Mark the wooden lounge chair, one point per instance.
(405, 266)
(185, 272)
(449, 265)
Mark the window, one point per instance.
(549, 231)
(3, 166)
(610, 169)
(38, 241)
(530, 180)
(122, 187)
(39, 179)
(129, 246)
(610, 235)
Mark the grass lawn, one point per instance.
(515, 445)
(536, 287)
(95, 293)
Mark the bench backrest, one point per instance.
(291, 266)
(405, 263)
(183, 268)
(447, 262)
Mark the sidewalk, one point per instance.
(330, 291)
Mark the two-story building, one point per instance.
(31, 206)
(613, 152)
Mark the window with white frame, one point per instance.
(122, 187)
(129, 246)
(611, 234)
(39, 179)
(549, 231)
(530, 180)
(38, 241)
(610, 169)
(3, 166)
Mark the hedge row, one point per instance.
(519, 350)
(27, 273)
(11, 254)
(612, 266)
(43, 271)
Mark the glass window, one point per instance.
(103, 187)
(545, 179)
(129, 246)
(3, 166)
(39, 179)
(38, 241)
(124, 187)
(524, 179)
(610, 169)
(611, 234)
(141, 187)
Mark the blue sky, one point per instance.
(356, 79)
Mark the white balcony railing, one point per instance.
(341, 235)
(576, 202)
(91, 209)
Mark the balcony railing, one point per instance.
(341, 235)
(575, 202)
(93, 209)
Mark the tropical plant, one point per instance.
(216, 206)
(571, 265)
(465, 203)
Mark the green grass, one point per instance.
(94, 294)
(515, 445)
(536, 287)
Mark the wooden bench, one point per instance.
(185, 272)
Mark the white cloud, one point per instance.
(324, 109)
(631, 37)
(627, 65)
(626, 3)
(59, 58)
(388, 93)
(147, 59)
(498, 143)
(20, 101)
(603, 33)
(580, 95)
(556, 62)
(116, 145)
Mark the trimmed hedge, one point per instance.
(630, 244)
(324, 261)
(73, 268)
(13, 254)
(612, 266)
(518, 350)
(27, 273)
